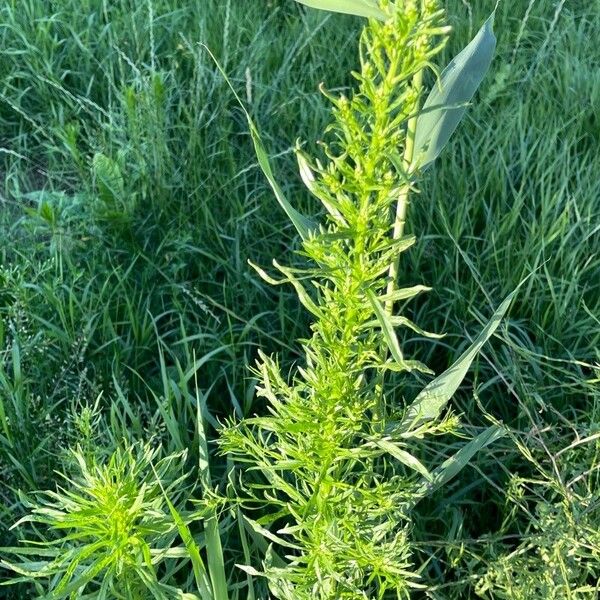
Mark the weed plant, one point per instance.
(340, 475)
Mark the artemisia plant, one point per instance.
(330, 473)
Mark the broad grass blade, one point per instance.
(200, 574)
(404, 457)
(359, 8)
(457, 462)
(433, 398)
(447, 103)
(303, 224)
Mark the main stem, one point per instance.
(404, 196)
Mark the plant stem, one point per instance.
(403, 199)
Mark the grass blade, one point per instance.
(193, 550)
(303, 224)
(458, 461)
(214, 548)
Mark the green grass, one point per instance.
(131, 202)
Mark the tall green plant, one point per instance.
(331, 471)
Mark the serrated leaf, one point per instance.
(446, 105)
(458, 461)
(434, 397)
(359, 8)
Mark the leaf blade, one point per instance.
(458, 461)
(304, 225)
(391, 339)
(434, 396)
(403, 457)
(358, 8)
(446, 105)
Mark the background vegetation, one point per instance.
(131, 202)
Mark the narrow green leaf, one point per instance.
(308, 178)
(200, 574)
(434, 397)
(260, 535)
(458, 461)
(247, 557)
(446, 105)
(404, 457)
(389, 335)
(214, 548)
(303, 224)
(303, 295)
(386, 327)
(359, 8)
(398, 321)
(405, 293)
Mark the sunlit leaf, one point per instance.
(458, 461)
(391, 339)
(447, 103)
(404, 457)
(434, 397)
(360, 8)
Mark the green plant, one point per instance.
(121, 525)
(87, 281)
(111, 526)
(556, 511)
(338, 460)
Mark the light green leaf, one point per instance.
(303, 224)
(404, 457)
(310, 182)
(434, 397)
(201, 576)
(458, 461)
(303, 295)
(446, 105)
(360, 8)
(405, 293)
(389, 335)
(266, 534)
